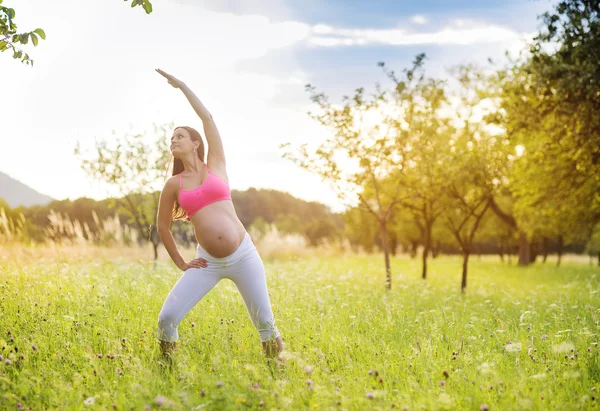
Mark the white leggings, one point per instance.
(244, 267)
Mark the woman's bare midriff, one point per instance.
(218, 229)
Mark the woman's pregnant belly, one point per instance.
(218, 228)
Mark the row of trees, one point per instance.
(522, 144)
(436, 162)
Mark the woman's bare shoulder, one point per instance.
(172, 184)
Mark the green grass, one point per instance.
(337, 322)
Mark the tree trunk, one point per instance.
(435, 251)
(560, 249)
(544, 249)
(413, 251)
(155, 240)
(393, 244)
(501, 251)
(524, 249)
(463, 284)
(386, 252)
(426, 248)
(599, 259)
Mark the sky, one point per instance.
(247, 60)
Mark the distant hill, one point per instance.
(18, 194)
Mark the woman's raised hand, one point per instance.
(174, 81)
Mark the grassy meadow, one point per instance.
(77, 332)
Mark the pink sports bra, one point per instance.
(213, 189)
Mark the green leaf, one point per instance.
(34, 39)
(133, 3)
(3, 45)
(11, 13)
(147, 6)
(41, 33)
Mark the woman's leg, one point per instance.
(193, 285)
(248, 276)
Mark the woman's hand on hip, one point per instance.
(174, 81)
(195, 263)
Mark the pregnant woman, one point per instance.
(199, 192)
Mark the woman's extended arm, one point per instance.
(163, 222)
(216, 153)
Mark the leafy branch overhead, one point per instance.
(12, 40)
(146, 5)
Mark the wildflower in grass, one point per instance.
(123, 340)
(19, 406)
(193, 324)
(589, 349)
(89, 401)
(160, 400)
(255, 386)
(11, 339)
(22, 356)
(9, 332)
(202, 393)
(119, 370)
(308, 369)
(33, 347)
(309, 382)
(370, 395)
(483, 407)
(563, 347)
(114, 406)
(513, 347)
(544, 337)
(99, 355)
(7, 362)
(219, 384)
(147, 407)
(442, 383)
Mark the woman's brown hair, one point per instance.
(178, 212)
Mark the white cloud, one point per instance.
(463, 34)
(419, 19)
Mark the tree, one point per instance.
(319, 231)
(550, 99)
(136, 167)
(477, 164)
(10, 39)
(365, 149)
(423, 181)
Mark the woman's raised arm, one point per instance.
(216, 153)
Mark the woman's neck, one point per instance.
(191, 163)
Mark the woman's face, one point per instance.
(182, 143)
